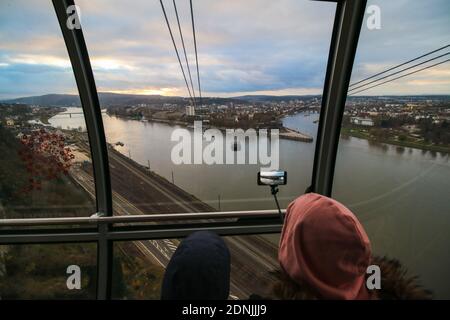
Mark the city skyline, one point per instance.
(275, 49)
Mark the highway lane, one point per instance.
(158, 249)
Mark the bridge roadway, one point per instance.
(71, 113)
(138, 191)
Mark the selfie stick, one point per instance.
(274, 191)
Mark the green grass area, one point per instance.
(44, 118)
(408, 142)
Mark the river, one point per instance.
(401, 195)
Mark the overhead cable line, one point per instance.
(196, 57)
(400, 65)
(404, 75)
(176, 50)
(400, 71)
(184, 50)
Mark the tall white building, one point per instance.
(362, 121)
(190, 111)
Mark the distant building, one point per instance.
(10, 122)
(190, 111)
(362, 121)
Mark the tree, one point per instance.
(46, 157)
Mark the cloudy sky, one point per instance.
(245, 47)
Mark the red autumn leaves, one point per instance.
(45, 156)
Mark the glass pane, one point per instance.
(48, 271)
(45, 164)
(139, 266)
(395, 141)
(266, 72)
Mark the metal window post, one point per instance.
(347, 26)
(84, 77)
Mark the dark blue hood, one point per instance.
(199, 269)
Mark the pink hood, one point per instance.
(324, 246)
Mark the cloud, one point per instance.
(408, 29)
(22, 79)
(243, 46)
(39, 59)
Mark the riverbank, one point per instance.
(285, 133)
(422, 145)
(291, 134)
(44, 117)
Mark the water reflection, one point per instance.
(400, 149)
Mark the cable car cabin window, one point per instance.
(45, 163)
(395, 139)
(247, 98)
(48, 271)
(139, 267)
